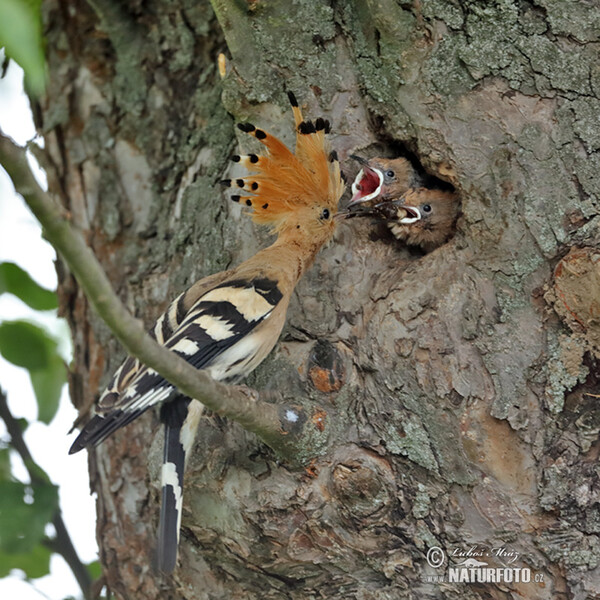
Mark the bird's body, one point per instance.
(227, 323)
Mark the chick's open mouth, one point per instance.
(408, 214)
(394, 210)
(366, 186)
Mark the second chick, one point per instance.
(421, 217)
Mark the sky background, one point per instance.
(21, 242)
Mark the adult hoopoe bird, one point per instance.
(228, 323)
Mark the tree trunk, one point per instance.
(452, 394)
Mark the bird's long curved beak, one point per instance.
(359, 159)
(360, 211)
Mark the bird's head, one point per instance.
(421, 217)
(295, 193)
(381, 179)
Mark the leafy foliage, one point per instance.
(95, 569)
(27, 345)
(25, 509)
(4, 464)
(21, 36)
(14, 280)
(35, 563)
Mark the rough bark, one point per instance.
(452, 394)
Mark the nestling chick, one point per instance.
(382, 179)
(227, 323)
(421, 217)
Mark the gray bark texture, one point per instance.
(453, 396)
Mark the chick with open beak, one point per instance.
(382, 179)
(421, 217)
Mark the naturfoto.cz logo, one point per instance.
(472, 566)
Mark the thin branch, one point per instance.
(264, 419)
(62, 543)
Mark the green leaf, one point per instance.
(25, 511)
(23, 424)
(47, 384)
(16, 281)
(5, 470)
(21, 36)
(95, 570)
(35, 563)
(37, 472)
(26, 345)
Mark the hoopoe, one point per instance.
(228, 323)
(382, 179)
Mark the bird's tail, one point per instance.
(180, 417)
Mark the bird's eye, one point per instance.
(325, 214)
(390, 173)
(426, 208)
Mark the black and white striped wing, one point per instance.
(163, 329)
(214, 334)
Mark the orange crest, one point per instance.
(282, 183)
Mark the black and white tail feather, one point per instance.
(180, 417)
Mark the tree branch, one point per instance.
(62, 543)
(267, 421)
